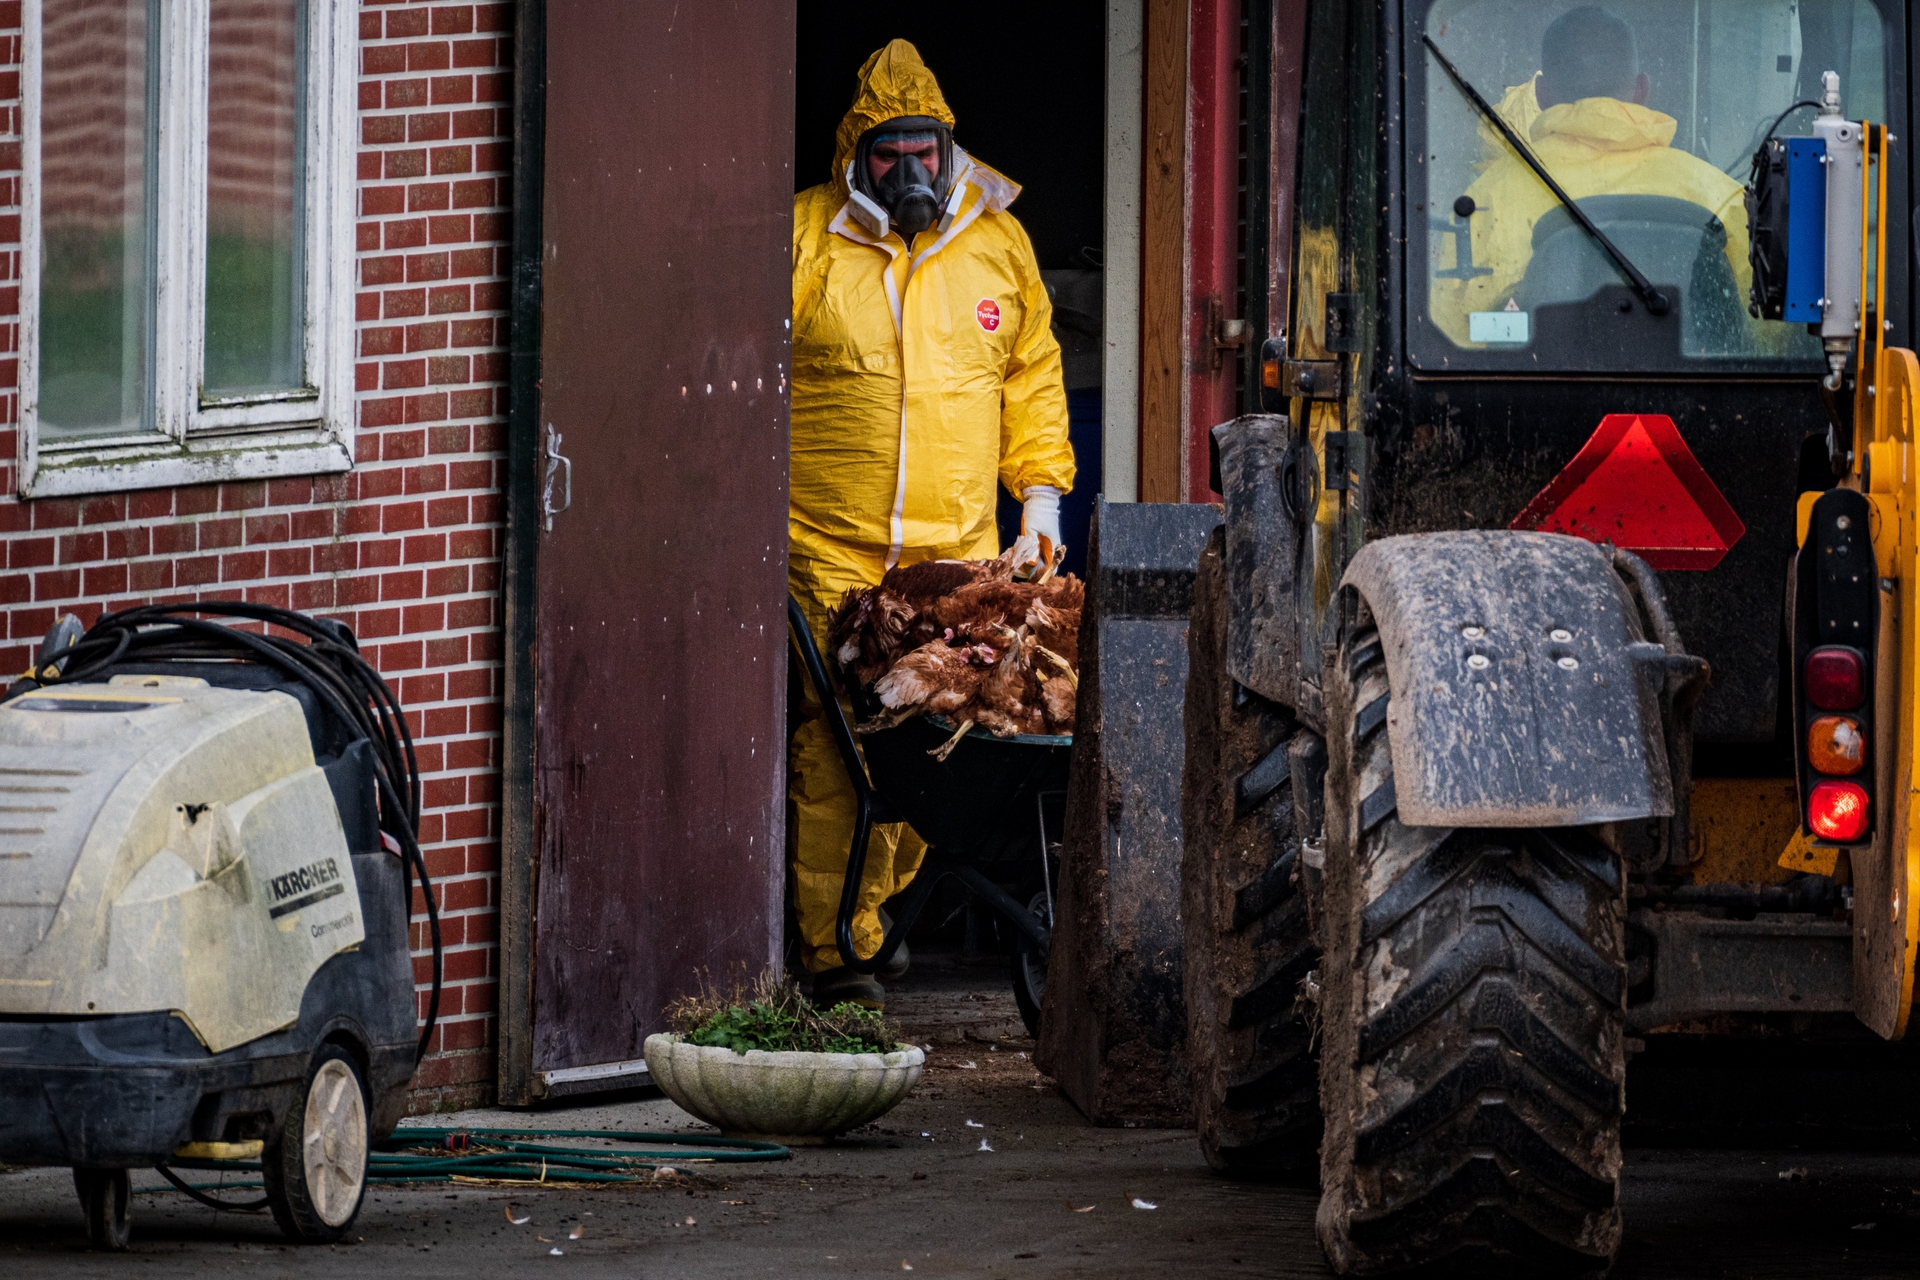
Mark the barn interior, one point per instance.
(1027, 89)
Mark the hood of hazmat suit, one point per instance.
(922, 374)
(1592, 147)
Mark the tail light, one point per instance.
(1835, 678)
(1836, 627)
(1836, 746)
(1839, 812)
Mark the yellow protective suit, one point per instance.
(920, 376)
(1596, 146)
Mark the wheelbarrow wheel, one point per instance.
(1249, 949)
(1030, 968)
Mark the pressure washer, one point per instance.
(209, 848)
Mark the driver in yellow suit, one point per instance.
(924, 370)
(1585, 118)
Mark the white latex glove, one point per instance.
(1039, 541)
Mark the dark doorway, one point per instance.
(1027, 85)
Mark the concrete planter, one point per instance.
(802, 1098)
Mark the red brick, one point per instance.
(125, 544)
(445, 299)
(383, 342)
(406, 164)
(431, 407)
(476, 123)
(469, 613)
(469, 262)
(289, 562)
(244, 566)
(420, 618)
(379, 271)
(432, 55)
(408, 584)
(403, 373)
(404, 233)
(56, 584)
(452, 20)
(454, 439)
(433, 266)
(196, 571)
(430, 336)
(382, 60)
(472, 333)
(268, 528)
(442, 370)
(451, 89)
(475, 402)
(382, 131)
(493, 17)
(473, 193)
(151, 575)
(80, 548)
(475, 53)
(174, 539)
(403, 302)
(447, 160)
(366, 306)
(215, 534)
(426, 549)
(429, 126)
(104, 580)
(471, 544)
(403, 24)
(427, 196)
(457, 228)
(402, 94)
(497, 87)
(381, 413)
(104, 509)
(397, 517)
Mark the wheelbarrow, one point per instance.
(982, 809)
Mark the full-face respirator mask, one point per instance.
(907, 198)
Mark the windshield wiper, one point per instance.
(1656, 301)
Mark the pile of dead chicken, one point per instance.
(965, 640)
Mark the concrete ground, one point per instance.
(1044, 1195)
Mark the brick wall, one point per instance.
(405, 548)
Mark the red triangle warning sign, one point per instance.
(1637, 485)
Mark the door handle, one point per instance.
(560, 462)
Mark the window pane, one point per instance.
(1647, 113)
(96, 291)
(256, 155)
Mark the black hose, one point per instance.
(204, 1198)
(326, 661)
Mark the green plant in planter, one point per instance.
(770, 1013)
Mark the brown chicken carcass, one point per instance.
(872, 626)
(965, 640)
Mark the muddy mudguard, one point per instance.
(1524, 692)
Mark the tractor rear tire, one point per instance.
(1473, 1002)
(1248, 947)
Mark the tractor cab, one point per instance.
(1489, 349)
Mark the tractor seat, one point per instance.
(1676, 243)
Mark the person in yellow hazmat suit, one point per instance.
(1585, 117)
(924, 371)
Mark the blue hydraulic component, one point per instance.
(1806, 229)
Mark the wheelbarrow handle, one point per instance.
(865, 799)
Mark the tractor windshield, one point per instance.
(1646, 113)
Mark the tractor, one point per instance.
(1553, 674)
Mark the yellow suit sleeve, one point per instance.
(1034, 448)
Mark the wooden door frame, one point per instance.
(518, 1083)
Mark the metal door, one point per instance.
(648, 561)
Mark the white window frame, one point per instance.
(305, 432)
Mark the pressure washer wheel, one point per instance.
(315, 1166)
(104, 1194)
(1030, 968)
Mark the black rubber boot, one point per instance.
(844, 986)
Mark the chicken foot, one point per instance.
(945, 749)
